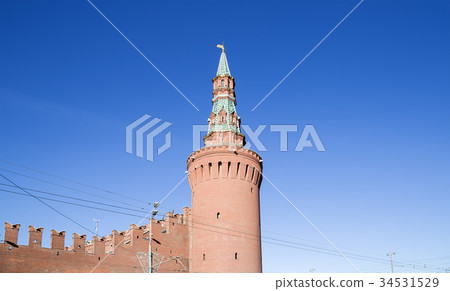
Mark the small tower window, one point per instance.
(235, 256)
(218, 215)
(222, 84)
(35, 241)
(204, 257)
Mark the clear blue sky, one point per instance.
(377, 91)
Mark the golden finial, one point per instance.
(221, 46)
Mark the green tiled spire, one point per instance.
(224, 125)
(229, 107)
(223, 69)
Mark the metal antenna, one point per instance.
(96, 226)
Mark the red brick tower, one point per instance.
(225, 179)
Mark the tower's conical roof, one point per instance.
(223, 69)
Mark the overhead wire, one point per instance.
(48, 205)
(73, 198)
(305, 247)
(73, 181)
(296, 245)
(63, 186)
(72, 203)
(70, 180)
(264, 239)
(269, 232)
(330, 252)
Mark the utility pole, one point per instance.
(96, 226)
(390, 254)
(150, 254)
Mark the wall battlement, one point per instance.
(122, 251)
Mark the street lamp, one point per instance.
(390, 254)
(150, 254)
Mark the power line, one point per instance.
(72, 181)
(269, 232)
(303, 246)
(128, 214)
(194, 222)
(48, 205)
(73, 198)
(430, 259)
(63, 186)
(109, 205)
(330, 252)
(290, 242)
(296, 244)
(264, 239)
(311, 249)
(156, 204)
(75, 204)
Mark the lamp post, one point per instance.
(150, 254)
(390, 254)
(96, 226)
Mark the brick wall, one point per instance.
(125, 252)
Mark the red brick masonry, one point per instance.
(125, 251)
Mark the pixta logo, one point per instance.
(308, 137)
(143, 127)
(142, 133)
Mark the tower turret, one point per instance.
(224, 126)
(225, 179)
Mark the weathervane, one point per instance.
(221, 46)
